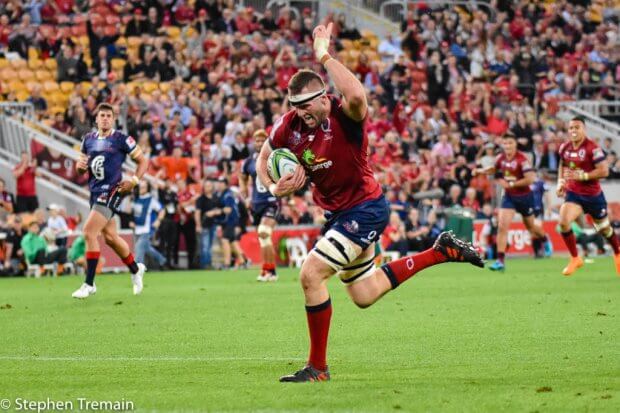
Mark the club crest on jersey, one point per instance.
(582, 154)
(295, 138)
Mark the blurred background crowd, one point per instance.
(193, 80)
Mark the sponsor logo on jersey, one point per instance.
(598, 153)
(131, 142)
(314, 163)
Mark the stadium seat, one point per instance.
(134, 42)
(50, 64)
(33, 54)
(18, 64)
(44, 75)
(174, 32)
(56, 109)
(36, 271)
(83, 40)
(26, 75)
(22, 95)
(118, 63)
(149, 87)
(50, 86)
(8, 74)
(121, 42)
(67, 87)
(35, 64)
(30, 85)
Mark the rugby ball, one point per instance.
(281, 162)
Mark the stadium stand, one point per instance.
(201, 76)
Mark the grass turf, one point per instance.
(454, 338)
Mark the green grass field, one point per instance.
(454, 338)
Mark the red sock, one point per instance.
(130, 262)
(401, 270)
(319, 318)
(571, 242)
(614, 242)
(501, 256)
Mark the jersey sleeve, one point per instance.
(597, 154)
(561, 153)
(498, 165)
(245, 167)
(277, 137)
(526, 165)
(128, 144)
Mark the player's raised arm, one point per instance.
(355, 104)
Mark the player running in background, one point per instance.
(264, 206)
(328, 136)
(514, 173)
(103, 154)
(582, 165)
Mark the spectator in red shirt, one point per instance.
(286, 66)
(6, 200)
(470, 200)
(497, 123)
(25, 173)
(187, 225)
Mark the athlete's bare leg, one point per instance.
(111, 237)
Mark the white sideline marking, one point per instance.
(147, 359)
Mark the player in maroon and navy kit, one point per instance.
(102, 157)
(328, 136)
(514, 173)
(582, 165)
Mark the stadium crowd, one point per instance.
(193, 80)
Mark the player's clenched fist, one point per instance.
(125, 187)
(82, 164)
(321, 35)
(561, 188)
(291, 182)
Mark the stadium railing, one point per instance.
(25, 110)
(51, 187)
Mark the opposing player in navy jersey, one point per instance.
(264, 206)
(103, 154)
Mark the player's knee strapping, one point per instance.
(361, 268)
(604, 227)
(340, 254)
(264, 235)
(335, 250)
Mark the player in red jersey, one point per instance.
(582, 165)
(328, 135)
(515, 174)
